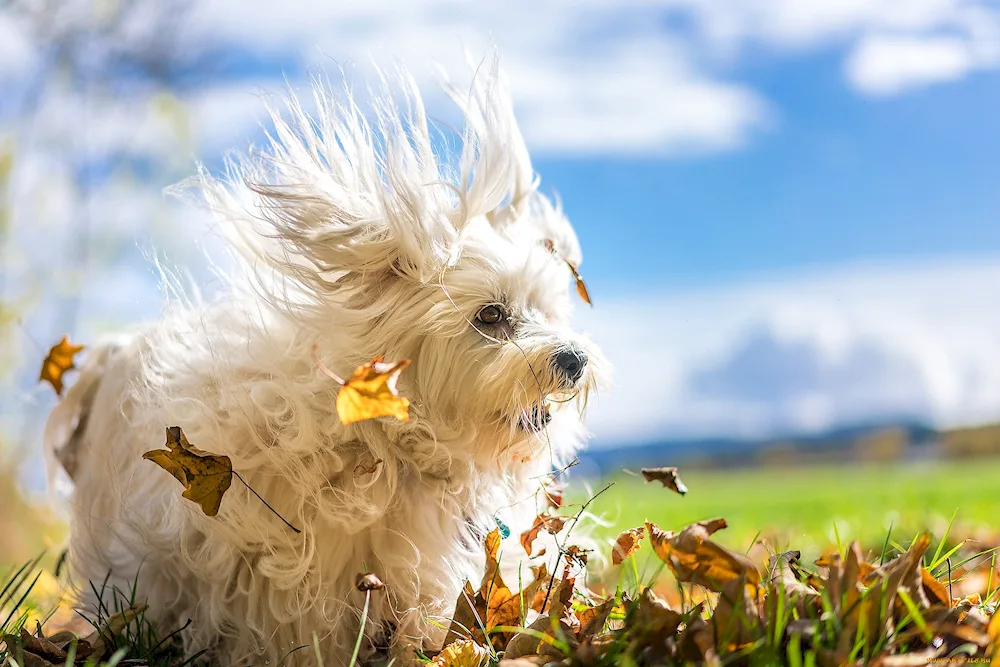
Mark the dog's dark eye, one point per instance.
(491, 315)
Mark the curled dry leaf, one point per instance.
(369, 582)
(627, 544)
(58, 361)
(593, 619)
(737, 620)
(551, 524)
(993, 637)
(653, 621)
(560, 622)
(934, 589)
(577, 554)
(206, 477)
(53, 651)
(666, 476)
(695, 558)
(867, 617)
(370, 392)
(494, 604)
(366, 468)
(581, 287)
(462, 653)
(784, 579)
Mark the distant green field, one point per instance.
(797, 508)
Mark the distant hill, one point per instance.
(883, 441)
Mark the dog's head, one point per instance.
(362, 233)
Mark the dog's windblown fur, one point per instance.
(355, 238)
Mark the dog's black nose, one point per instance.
(570, 362)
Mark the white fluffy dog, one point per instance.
(356, 238)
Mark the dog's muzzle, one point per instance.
(570, 363)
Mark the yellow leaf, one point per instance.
(206, 477)
(463, 653)
(59, 360)
(371, 392)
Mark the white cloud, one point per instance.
(17, 53)
(889, 65)
(622, 76)
(586, 78)
(605, 77)
(803, 353)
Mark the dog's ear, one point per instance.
(496, 177)
(335, 192)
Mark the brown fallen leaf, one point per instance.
(934, 589)
(578, 554)
(366, 468)
(34, 651)
(695, 558)
(784, 581)
(868, 614)
(560, 624)
(206, 477)
(468, 617)
(551, 524)
(40, 651)
(627, 544)
(593, 619)
(654, 625)
(462, 653)
(993, 637)
(58, 361)
(581, 287)
(696, 643)
(491, 575)
(737, 619)
(494, 604)
(666, 476)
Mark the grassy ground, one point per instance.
(794, 508)
(799, 507)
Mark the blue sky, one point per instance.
(788, 208)
(838, 178)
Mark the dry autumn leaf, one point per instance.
(666, 476)
(371, 392)
(581, 287)
(593, 619)
(577, 554)
(53, 651)
(494, 605)
(366, 468)
(551, 524)
(206, 477)
(934, 589)
(58, 361)
(695, 558)
(462, 653)
(627, 544)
